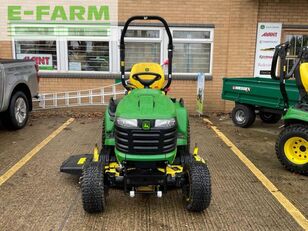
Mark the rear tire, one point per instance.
(92, 188)
(17, 115)
(292, 148)
(243, 115)
(269, 118)
(197, 190)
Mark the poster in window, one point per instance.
(268, 36)
(44, 61)
(74, 66)
(200, 92)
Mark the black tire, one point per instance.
(269, 118)
(92, 188)
(243, 115)
(9, 118)
(197, 191)
(296, 130)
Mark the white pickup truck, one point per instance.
(18, 85)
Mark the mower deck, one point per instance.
(142, 180)
(74, 164)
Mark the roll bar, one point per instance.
(281, 51)
(122, 48)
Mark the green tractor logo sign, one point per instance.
(146, 125)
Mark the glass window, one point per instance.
(142, 52)
(44, 53)
(296, 43)
(192, 51)
(142, 45)
(142, 34)
(88, 56)
(192, 57)
(180, 34)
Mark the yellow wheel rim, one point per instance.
(296, 150)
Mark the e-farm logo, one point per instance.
(61, 18)
(60, 13)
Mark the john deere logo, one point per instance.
(146, 125)
(147, 69)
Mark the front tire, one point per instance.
(292, 148)
(243, 115)
(197, 189)
(17, 115)
(269, 118)
(92, 188)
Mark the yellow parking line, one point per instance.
(33, 152)
(291, 209)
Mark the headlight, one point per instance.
(165, 123)
(127, 123)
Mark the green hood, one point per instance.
(146, 104)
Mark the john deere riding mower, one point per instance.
(145, 141)
(292, 143)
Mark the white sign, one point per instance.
(269, 36)
(44, 61)
(200, 93)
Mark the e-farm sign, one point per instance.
(59, 13)
(66, 18)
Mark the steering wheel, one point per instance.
(148, 82)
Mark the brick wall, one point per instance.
(234, 40)
(6, 49)
(285, 11)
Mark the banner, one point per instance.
(53, 19)
(268, 36)
(200, 93)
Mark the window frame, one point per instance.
(288, 33)
(80, 38)
(114, 53)
(195, 41)
(14, 39)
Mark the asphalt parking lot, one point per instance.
(39, 197)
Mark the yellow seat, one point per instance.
(304, 75)
(144, 68)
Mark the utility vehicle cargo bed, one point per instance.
(260, 92)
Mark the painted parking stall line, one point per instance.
(7, 175)
(283, 200)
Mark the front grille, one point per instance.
(138, 141)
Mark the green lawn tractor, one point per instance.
(292, 143)
(145, 141)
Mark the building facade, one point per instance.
(216, 37)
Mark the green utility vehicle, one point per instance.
(292, 143)
(145, 141)
(257, 96)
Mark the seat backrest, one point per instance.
(147, 67)
(303, 69)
